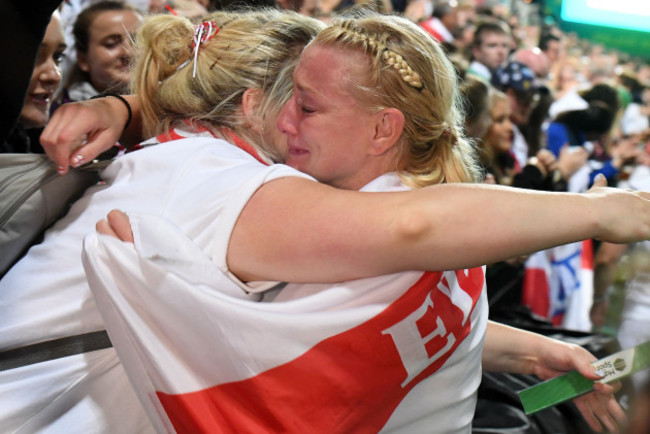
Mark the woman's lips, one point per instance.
(297, 151)
(40, 98)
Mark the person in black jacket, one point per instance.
(24, 24)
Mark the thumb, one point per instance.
(600, 180)
(92, 147)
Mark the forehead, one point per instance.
(115, 22)
(494, 38)
(54, 32)
(326, 67)
(500, 105)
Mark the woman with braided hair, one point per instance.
(374, 108)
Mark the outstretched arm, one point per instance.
(297, 230)
(513, 350)
(80, 131)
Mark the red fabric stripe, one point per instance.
(350, 382)
(238, 141)
(241, 144)
(169, 136)
(536, 291)
(587, 255)
(427, 26)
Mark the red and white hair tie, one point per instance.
(202, 33)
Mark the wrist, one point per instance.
(122, 102)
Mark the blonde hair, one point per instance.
(488, 157)
(256, 50)
(410, 72)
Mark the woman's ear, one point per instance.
(250, 105)
(388, 130)
(82, 61)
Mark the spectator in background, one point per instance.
(103, 36)
(565, 84)
(490, 48)
(496, 157)
(478, 107)
(589, 128)
(444, 23)
(415, 10)
(186, 8)
(517, 81)
(535, 59)
(635, 118)
(45, 78)
(24, 24)
(551, 46)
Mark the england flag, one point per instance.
(395, 353)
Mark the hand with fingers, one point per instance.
(599, 408)
(117, 225)
(79, 132)
(610, 203)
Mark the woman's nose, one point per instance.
(285, 122)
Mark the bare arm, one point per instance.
(300, 231)
(297, 230)
(513, 350)
(79, 132)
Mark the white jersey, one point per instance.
(201, 184)
(398, 353)
(443, 399)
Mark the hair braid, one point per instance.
(379, 50)
(405, 71)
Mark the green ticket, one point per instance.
(572, 384)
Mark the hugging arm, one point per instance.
(297, 230)
(300, 231)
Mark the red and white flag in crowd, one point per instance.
(204, 356)
(558, 284)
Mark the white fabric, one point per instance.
(639, 179)
(568, 102)
(201, 184)
(633, 120)
(580, 180)
(567, 286)
(478, 69)
(425, 406)
(519, 146)
(318, 358)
